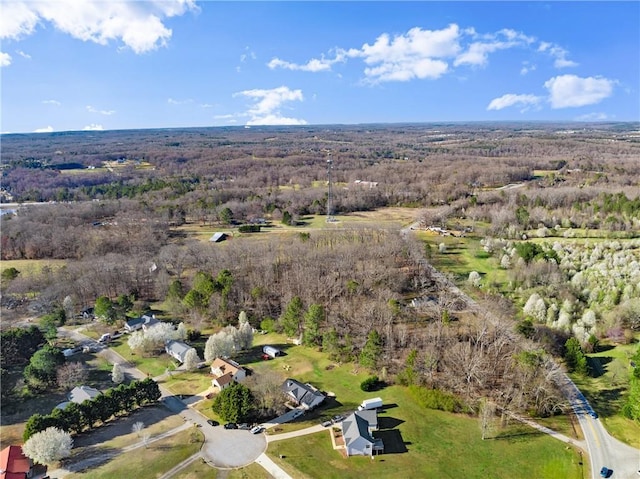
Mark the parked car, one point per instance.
(593, 414)
(327, 423)
(231, 425)
(105, 338)
(258, 429)
(211, 422)
(605, 472)
(337, 419)
(244, 426)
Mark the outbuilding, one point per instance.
(271, 351)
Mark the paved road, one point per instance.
(604, 450)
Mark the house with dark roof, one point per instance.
(14, 464)
(357, 433)
(178, 349)
(304, 395)
(143, 322)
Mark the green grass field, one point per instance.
(432, 444)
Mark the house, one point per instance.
(80, 394)
(177, 349)
(271, 351)
(356, 431)
(304, 395)
(88, 313)
(143, 322)
(218, 237)
(226, 371)
(14, 464)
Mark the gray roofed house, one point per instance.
(177, 349)
(304, 395)
(356, 431)
(80, 394)
(143, 322)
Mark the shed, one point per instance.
(218, 237)
(271, 351)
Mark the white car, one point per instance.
(257, 429)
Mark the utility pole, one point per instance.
(330, 218)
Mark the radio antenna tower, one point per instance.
(330, 218)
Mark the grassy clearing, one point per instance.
(149, 462)
(426, 448)
(152, 365)
(200, 470)
(464, 255)
(31, 267)
(606, 391)
(188, 383)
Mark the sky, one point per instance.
(110, 64)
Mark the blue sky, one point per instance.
(82, 64)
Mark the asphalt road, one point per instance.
(604, 450)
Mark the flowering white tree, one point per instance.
(245, 335)
(536, 308)
(152, 338)
(219, 344)
(181, 332)
(191, 360)
(505, 261)
(474, 279)
(117, 374)
(137, 427)
(47, 446)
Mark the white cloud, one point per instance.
(172, 101)
(511, 99)
(267, 104)
(46, 129)
(207, 105)
(595, 116)
(314, 65)
(527, 67)
(558, 53)
(23, 54)
(51, 102)
(573, 91)
(93, 127)
(477, 53)
(138, 25)
(5, 59)
(91, 109)
(416, 54)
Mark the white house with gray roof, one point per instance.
(356, 431)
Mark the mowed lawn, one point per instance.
(427, 443)
(421, 442)
(147, 462)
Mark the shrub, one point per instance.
(370, 384)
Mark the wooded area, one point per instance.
(122, 196)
